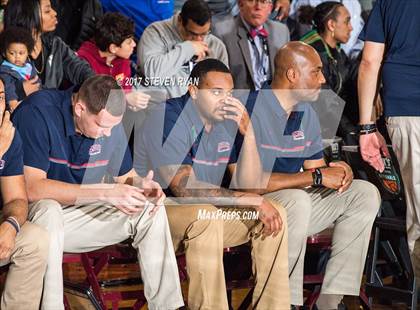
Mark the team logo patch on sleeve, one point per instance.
(95, 149)
(298, 135)
(223, 147)
(2, 164)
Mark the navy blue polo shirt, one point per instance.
(11, 163)
(284, 142)
(173, 134)
(396, 23)
(50, 142)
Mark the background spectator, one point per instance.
(354, 45)
(76, 20)
(109, 53)
(257, 38)
(169, 49)
(15, 46)
(53, 60)
(332, 27)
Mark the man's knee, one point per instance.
(282, 211)
(193, 222)
(369, 196)
(47, 213)
(298, 206)
(35, 241)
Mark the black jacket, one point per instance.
(76, 20)
(61, 63)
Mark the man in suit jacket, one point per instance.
(252, 40)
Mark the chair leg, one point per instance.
(139, 304)
(371, 264)
(364, 299)
(66, 303)
(414, 296)
(313, 297)
(100, 263)
(247, 301)
(93, 280)
(229, 298)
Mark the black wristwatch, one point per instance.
(316, 177)
(366, 129)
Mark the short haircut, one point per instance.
(112, 28)
(205, 66)
(23, 13)
(16, 35)
(196, 10)
(102, 92)
(320, 15)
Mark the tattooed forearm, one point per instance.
(184, 184)
(188, 186)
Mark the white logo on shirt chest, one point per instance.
(95, 149)
(2, 164)
(223, 147)
(298, 135)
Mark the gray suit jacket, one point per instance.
(234, 35)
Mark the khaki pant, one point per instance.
(405, 136)
(311, 211)
(23, 286)
(203, 242)
(86, 228)
(404, 132)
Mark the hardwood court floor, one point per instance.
(75, 273)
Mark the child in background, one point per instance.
(109, 53)
(15, 46)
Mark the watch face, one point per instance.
(317, 178)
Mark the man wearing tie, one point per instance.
(257, 38)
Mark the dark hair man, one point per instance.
(169, 49)
(186, 143)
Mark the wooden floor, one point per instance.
(75, 273)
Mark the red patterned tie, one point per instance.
(258, 32)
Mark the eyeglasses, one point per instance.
(262, 2)
(194, 34)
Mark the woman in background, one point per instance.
(54, 61)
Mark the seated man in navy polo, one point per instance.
(186, 142)
(289, 139)
(24, 245)
(71, 142)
